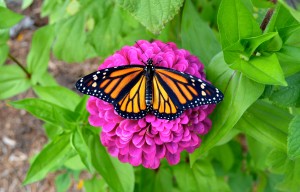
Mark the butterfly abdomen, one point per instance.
(149, 70)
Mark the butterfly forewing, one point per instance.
(123, 86)
(187, 91)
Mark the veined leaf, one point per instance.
(53, 155)
(152, 14)
(39, 54)
(267, 124)
(13, 81)
(160, 180)
(8, 18)
(235, 22)
(119, 176)
(197, 36)
(239, 93)
(47, 112)
(293, 138)
(57, 95)
(262, 69)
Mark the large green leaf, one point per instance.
(95, 184)
(267, 124)
(153, 14)
(119, 176)
(57, 95)
(293, 138)
(79, 144)
(262, 69)
(160, 180)
(239, 93)
(47, 112)
(38, 57)
(197, 36)
(53, 155)
(279, 163)
(289, 59)
(62, 182)
(201, 176)
(13, 80)
(235, 22)
(295, 13)
(8, 18)
(288, 96)
(71, 43)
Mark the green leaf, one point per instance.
(62, 182)
(235, 22)
(262, 69)
(79, 144)
(13, 81)
(293, 138)
(108, 28)
(240, 182)
(281, 20)
(47, 112)
(224, 155)
(53, 155)
(266, 123)
(280, 164)
(74, 163)
(288, 96)
(52, 130)
(57, 95)
(294, 13)
(39, 54)
(81, 109)
(8, 18)
(2, 3)
(151, 13)
(197, 36)
(245, 48)
(201, 176)
(160, 180)
(239, 93)
(4, 49)
(277, 161)
(71, 43)
(289, 59)
(119, 176)
(47, 80)
(26, 3)
(258, 152)
(95, 184)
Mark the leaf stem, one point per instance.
(268, 17)
(20, 65)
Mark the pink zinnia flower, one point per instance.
(146, 141)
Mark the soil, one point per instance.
(22, 135)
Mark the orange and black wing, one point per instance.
(123, 86)
(174, 92)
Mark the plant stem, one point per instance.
(268, 17)
(20, 65)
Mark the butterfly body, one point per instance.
(136, 90)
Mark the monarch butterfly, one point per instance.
(136, 90)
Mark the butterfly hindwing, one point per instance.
(185, 90)
(123, 86)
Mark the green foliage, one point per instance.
(253, 144)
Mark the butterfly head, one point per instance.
(149, 62)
